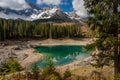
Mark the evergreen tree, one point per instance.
(10, 66)
(36, 72)
(67, 74)
(104, 20)
(11, 29)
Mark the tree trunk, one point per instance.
(116, 51)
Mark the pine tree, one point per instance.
(104, 20)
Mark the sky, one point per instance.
(66, 5)
(76, 6)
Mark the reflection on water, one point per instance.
(62, 54)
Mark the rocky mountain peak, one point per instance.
(35, 13)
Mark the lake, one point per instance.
(62, 54)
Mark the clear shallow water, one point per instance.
(61, 54)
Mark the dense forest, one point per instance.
(16, 29)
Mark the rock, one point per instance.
(17, 48)
(93, 62)
(3, 44)
(33, 46)
(28, 46)
(22, 56)
(96, 52)
(85, 62)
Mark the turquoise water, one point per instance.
(61, 54)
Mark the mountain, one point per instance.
(25, 14)
(35, 13)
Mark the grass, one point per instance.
(89, 71)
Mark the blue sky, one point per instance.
(65, 5)
(76, 6)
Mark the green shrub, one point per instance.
(10, 66)
(117, 77)
(49, 69)
(67, 74)
(54, 77)
(35, 72)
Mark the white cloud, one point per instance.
(79, 7)
(49, 2)
(14, 4)
(119, 8)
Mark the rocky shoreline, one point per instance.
(76, 64)
(21, 51)
(24, 51)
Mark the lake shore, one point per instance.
(26, 53)
(52, 42)
(75, 64)
(32, 57)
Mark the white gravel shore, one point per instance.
(25, 49)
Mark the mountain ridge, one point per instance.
(35, 13)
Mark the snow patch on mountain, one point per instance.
(34, 13)
(45, 14)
